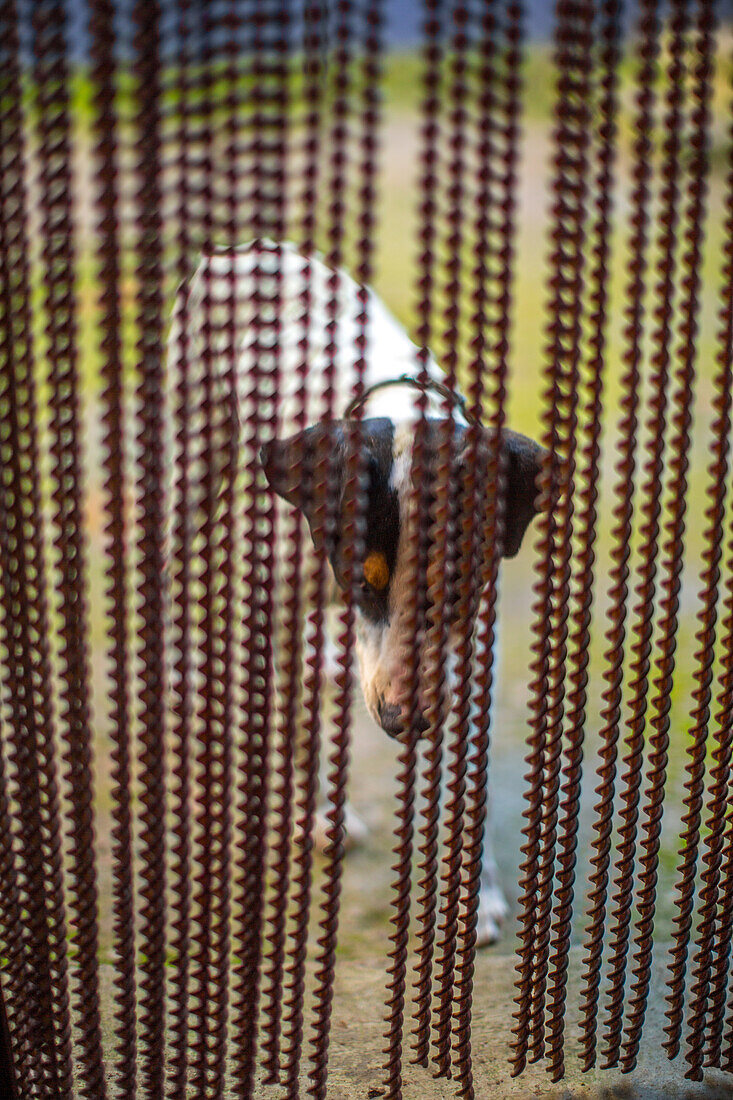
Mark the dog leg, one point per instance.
(492, 905)
(356, 831)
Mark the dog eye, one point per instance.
(376, 570)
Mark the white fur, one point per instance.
(233, 289)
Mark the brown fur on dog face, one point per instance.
(385, 614)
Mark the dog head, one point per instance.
(314, 469)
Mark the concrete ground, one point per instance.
(357, 1040)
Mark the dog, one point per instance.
(285, 310)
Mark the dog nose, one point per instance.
(391, 719)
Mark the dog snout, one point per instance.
(392, 720)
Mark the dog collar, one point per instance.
(424, 385)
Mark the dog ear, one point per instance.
(291, 465)
(522, 463)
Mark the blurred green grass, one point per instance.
(396, 268)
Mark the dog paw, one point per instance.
(356, 831)
(492, 912)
